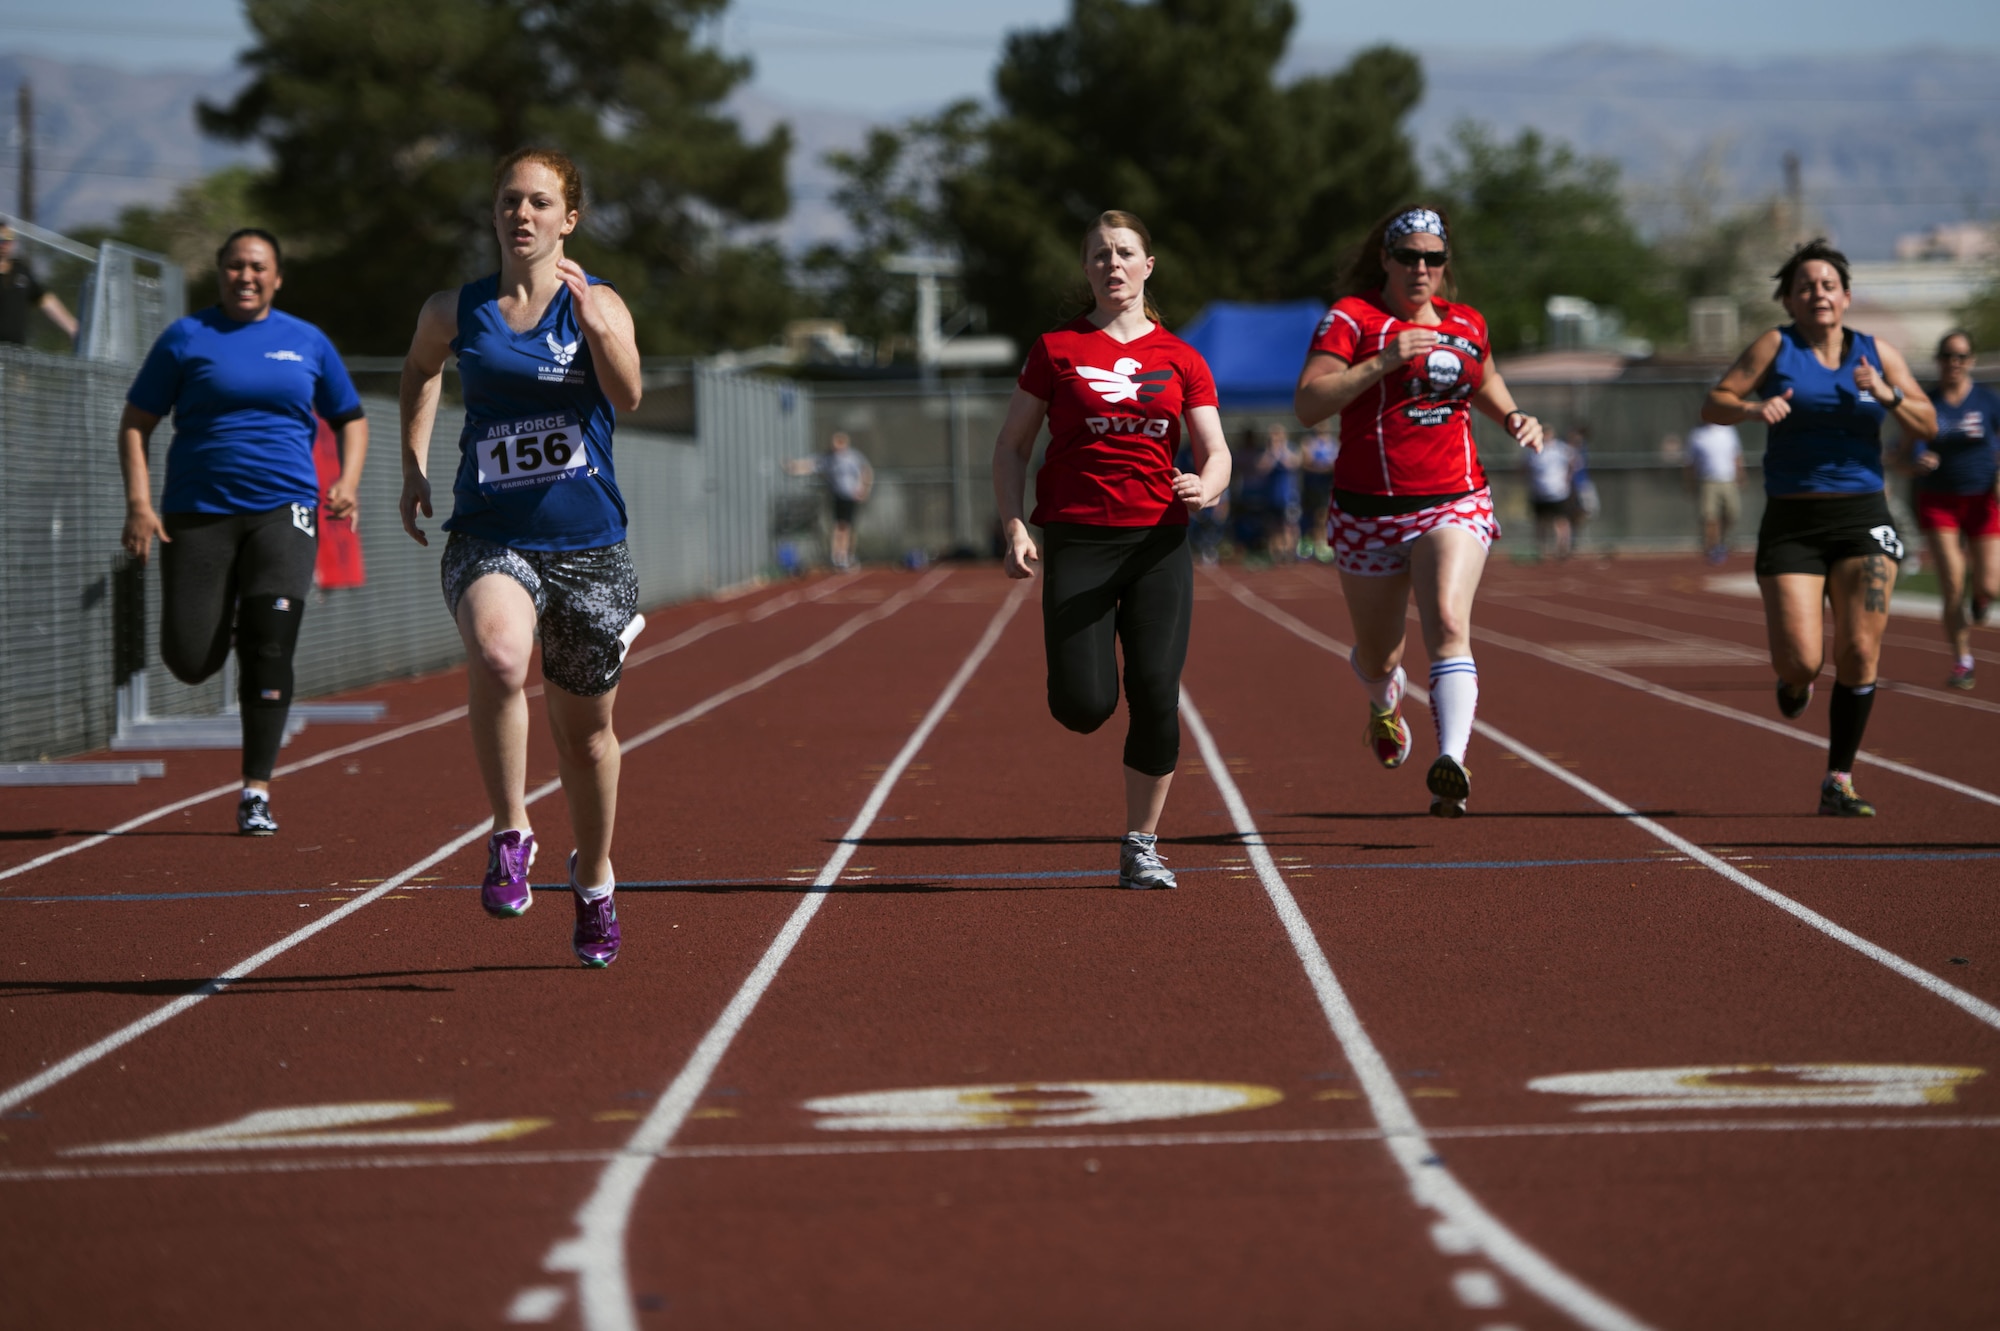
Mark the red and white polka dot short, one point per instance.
(1380, 547)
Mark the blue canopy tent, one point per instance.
(1255, 351)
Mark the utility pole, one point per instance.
(24, 115)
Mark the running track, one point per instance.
(862, 868)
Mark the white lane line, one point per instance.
(1444, 1235)
(596, 1253)
(123, 1036)
(1978, 1008)
(1661, 691)
(450, 714)
(1619, 624)
(1432, 1185)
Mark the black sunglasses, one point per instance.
(1954, 355)
(1410, 258)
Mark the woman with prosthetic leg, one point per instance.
(239, 519)
(1113, 386)
(1412, 513)
(1824, 391)
(547, 359)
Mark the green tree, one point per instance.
(1530, 221)
(1981, 318)
(891, 194)
(384, 119)
(1252, 189)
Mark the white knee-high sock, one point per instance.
(1385, 692)
(1454, 699)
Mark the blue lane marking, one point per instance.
(785, 880)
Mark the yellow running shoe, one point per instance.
(1388, 735)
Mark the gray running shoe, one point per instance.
(253, 817)
(1139, 863)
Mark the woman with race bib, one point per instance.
(1114, 386)
(1403, 367)
(1823, 391)
(546, 358)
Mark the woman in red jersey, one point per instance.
(1113, 386)
(1411, 511)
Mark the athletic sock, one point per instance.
(1848, 710)
(597, 893)
(249, 794)
(1965, 663)
(1385, 692)
(1454, 699)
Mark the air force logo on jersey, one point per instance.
(1123, 383)
(562, 372)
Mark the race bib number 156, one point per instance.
(540, 450)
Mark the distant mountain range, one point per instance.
(1888, 143)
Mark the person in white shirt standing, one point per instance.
(1715, 457)
(1551, 477)
(849, 478)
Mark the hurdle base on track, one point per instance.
(78, 774)
(189, 732)
(341, 713)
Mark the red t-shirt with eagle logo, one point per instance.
(1114, 424)
(1411, 433)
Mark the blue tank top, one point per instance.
(1964, 444)
(534, 459)
(1832, 441)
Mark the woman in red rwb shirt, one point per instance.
(1404, 367)
(1114, 387)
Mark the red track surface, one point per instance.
(975, 939)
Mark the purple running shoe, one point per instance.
(596, 937)
(505, 892)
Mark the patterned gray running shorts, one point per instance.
(584, 602)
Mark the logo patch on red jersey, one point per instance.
(1123, 383)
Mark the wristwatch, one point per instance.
(1897, 400)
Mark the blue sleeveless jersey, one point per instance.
(1965, 444)
(1832, 441)
(534, 459)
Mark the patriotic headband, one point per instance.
(1411, 223)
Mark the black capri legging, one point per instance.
(241, 577)
(1135, 584)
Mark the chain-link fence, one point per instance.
(78, 617)
(932, 448)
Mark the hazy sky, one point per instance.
(885, 56)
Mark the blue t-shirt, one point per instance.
(1964, 444)
(534, 457)
(243, 398)
(1832, 441)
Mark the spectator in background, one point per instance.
(1278, 471)
(1551, 477)
(1317, 453)
(21, 294)
(1210, 527)
(1715, 462)
(1584, 504)
(849, 478)
(1251, 517)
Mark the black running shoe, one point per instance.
(1838, 800)
(1449, 785)
(253, 817)
(1792, 705)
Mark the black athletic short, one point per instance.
(843, 510)
(1811, 535)
(1552, 508)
